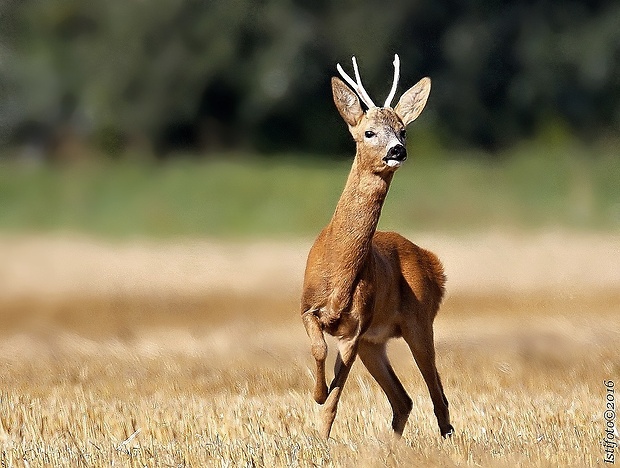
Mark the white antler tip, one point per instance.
(356, 70)
(357, 84)
(396, 63)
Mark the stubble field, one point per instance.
(192, 354)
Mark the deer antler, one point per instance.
(357, 86)
(388, 101)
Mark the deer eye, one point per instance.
(403, 134)
(369, 134)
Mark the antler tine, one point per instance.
(357, 86)
(363, 94)
(388, 101)
(346, 77)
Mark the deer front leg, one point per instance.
(347, 351)
(319, 352)
(374, 357)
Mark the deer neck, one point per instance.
(351, 229)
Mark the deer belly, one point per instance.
(381, 332)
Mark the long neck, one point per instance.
(354, 222)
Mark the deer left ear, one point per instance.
(412, 103)
(347, 102)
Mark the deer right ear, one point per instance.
(413, 101)
(347, 102)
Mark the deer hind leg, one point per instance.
(319, 352)
(374, 357)
(347, 351)
(420, 341)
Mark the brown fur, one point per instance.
(366, 287)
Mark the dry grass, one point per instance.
(215, 380)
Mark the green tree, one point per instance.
(173, 74)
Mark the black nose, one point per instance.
(398, 152)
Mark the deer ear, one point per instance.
(347, 102)
(413, 101)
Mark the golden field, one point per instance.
(192, 353)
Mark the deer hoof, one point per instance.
(320, 394)
(448, 432)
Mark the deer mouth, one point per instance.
(396, 156)
(393, 162)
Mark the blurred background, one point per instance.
(165, 165)
(170, 117)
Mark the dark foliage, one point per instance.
(166, 75)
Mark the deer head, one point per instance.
(379, 132)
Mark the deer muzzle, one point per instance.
(396, 155)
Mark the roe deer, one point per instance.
(365, 287)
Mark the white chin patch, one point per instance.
(393, 163)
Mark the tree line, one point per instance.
(165, 76)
